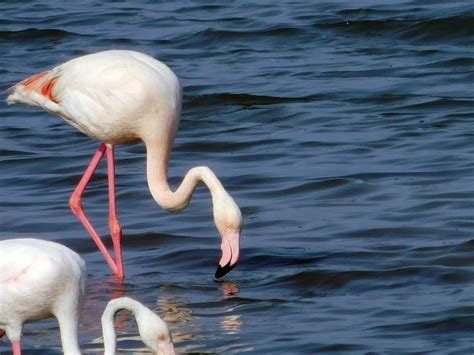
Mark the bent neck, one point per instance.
(157, 176)
(108, 329)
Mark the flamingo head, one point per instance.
(228, 220)
(165, 347)
(155, 333)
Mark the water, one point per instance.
(342, 129)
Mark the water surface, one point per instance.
(342, 129)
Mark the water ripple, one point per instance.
(342, 130)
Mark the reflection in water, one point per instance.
(108, 288)
(232, 323)
(230, 289)
(186, 327)
(116, 286)
(103, 291)
(176, 315)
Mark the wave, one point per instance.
(245, 100)
(439, 29)
(219, 34)
(449, 28)
(35, 33)
(218, 37)
(363, 280)
(434, 326)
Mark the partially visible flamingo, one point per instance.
(40, 279)
(122, 97)
(153, 330)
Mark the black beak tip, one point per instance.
(223, 270)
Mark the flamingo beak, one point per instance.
(230, 253)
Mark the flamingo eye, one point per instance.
(162, 338)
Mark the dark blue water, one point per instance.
(343, 129)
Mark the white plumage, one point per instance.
(104, 94)
(40, 279)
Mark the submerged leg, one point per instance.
(78, 210)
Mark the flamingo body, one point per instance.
(40, 279)
(105, 95)
(121, 97)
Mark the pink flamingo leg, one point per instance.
(76, 207)
(114, 225)
(16, 347)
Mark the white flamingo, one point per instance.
(40, 279)
(153, 330)
(122, 97)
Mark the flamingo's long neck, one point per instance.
(108, 329)
(157, 175)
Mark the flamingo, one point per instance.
(39, 279)
(121, 97)
(152, 329)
